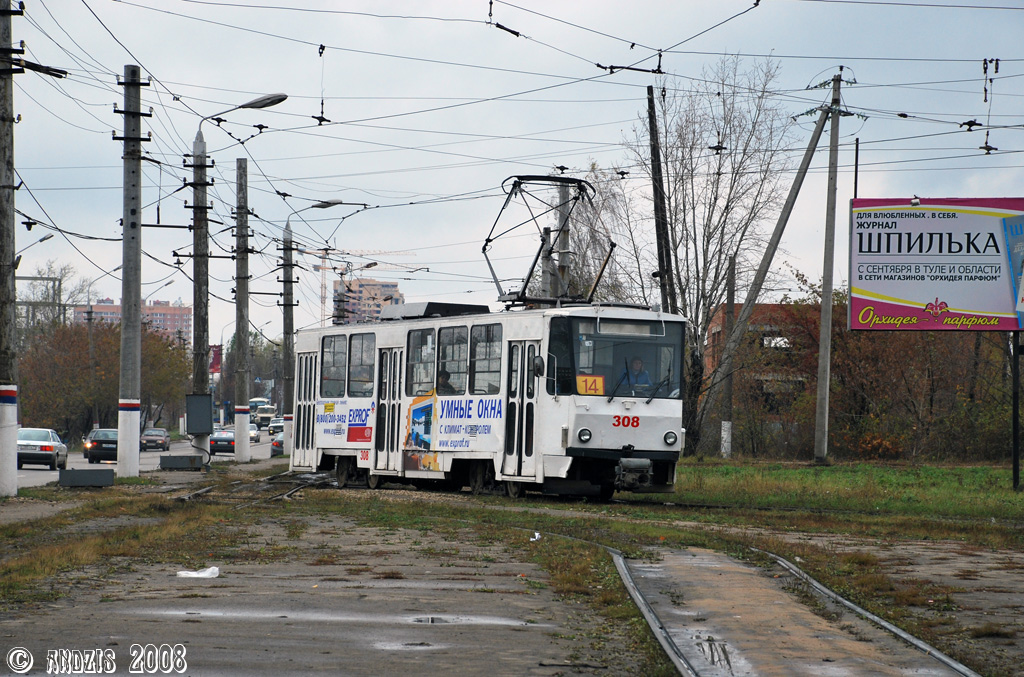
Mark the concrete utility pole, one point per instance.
(736, 336)
(288, 302)
(825, 331)
(288, 349)
(131, 279)
(8, 297)
(665, 273)
(200, 282)
(242, 454)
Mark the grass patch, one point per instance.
(974, 492)
(992, 630)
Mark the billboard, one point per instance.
(936, 264)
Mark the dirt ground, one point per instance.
(345, 599)
(338, 600)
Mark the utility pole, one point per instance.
(200, 283)
(242, 454)
(288, 350)
(564, 255)
(547, 275)
(8, 297)
(131, 278)
(738, 331)
(665, 273)
(726, 362)
(825, 330)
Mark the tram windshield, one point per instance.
(603, 357)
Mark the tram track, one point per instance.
(240, 495)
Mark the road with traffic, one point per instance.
(38, 475)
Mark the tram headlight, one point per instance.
(671, 438)
(584, 435)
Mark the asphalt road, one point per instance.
(38, 475)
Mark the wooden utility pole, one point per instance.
(666, 278)
(726, 361)
(825, 330)
(242, 413)
(564, 255)
(129, 399)
(734, 338)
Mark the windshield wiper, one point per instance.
(663, 382)
(625, 375)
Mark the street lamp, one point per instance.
(201, 261)
(17, 257)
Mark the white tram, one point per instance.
(534, 399)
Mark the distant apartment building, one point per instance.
(361, 300)
(172, 319)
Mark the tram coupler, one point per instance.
(633, 473)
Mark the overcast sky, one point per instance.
(427, 107)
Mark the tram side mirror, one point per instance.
(538, 366)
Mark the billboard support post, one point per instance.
(1015, 336)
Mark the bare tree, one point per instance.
(725, 142)
(610, 217)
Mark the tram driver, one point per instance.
(636, 375)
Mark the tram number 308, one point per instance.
(625, 421)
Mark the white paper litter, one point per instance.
(536, 536)
(212, 572)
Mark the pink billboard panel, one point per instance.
(936, 264)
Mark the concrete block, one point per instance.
(188, 462)
(86, 477)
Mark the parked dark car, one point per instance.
(222, 441)
(155, 438)
(41, 446)
(277, 446)
(101, 445)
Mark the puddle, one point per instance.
(409, 646)
(328, 617)
(714, 652)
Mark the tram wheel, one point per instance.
(373, 481)
(514, 489)
(343, 471)
(481, 477)
(607, 491)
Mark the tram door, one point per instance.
(387, 447)
(519, 460)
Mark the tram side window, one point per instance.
(561, 372)
(452, 354)
(419, 363)
(332, 366)
(485, 359)
(360, 365)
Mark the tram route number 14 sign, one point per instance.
(942, 264)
